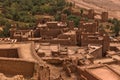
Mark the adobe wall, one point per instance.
(97, 53)
(91, 76)
(95, 41)
(50, 32)
(42, 68)
(85, 40)
(14, 67)
(9, 53)
(44, 73)
(104, 16)
(12, 33)
(63, 17)
(59, 41)
(88, 26)
(86, 75)
(91, 14)
(37, 32)
(71, 25)
(106, 44)
(19, 38)
(71, 37)
(52, 25)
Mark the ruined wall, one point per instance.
(59, 41)
(104, 16)
(71, 25)
(90, 27)
(9, 53)
(97, 53)
(91, 14)
(37, 32)
(12, 33)
(19, 38)
(90, 76)
(43, 69)
(44, 73)
(50, 32)
(52, 25)
(63, 17)
(85, 75)
(106, 44)
(96, 41)
(71, 37)
(14, 67)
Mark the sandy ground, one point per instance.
(111, 6)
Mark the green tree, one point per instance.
(67, 11)
(74, 18)
(117, 28)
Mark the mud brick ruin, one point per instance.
(57, 50)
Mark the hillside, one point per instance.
(22, 13)
(112, 6)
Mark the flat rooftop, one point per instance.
(104, 60)
(104, 73)
(115, 67)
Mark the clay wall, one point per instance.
(104, 16)
(9, 53)
(97, 53)
(12, 33)
(86, 42)
(44, 73)
(88, 27)
(50, 32)
(106, 44)
(71, 37)
(90, 76)
(37, 32)
(14, 67)
(86, 74)
(19, 38)
(63, 17)
(71, 25)
(59, 41)
(91, 14)
(96, 41)
(43, 20)
(43, 69)
(52, 25)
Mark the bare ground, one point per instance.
(111, 6)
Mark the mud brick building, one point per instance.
(88, 33)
